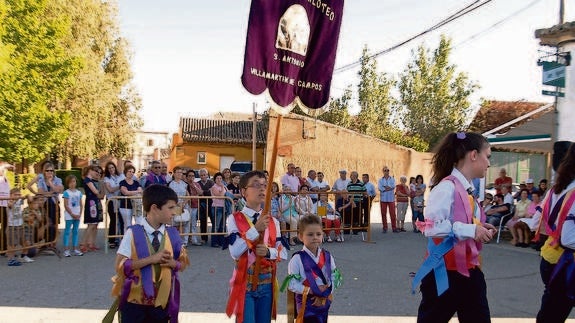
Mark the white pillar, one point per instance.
(566, 105)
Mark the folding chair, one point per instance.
(504, 220)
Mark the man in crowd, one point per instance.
(386, 186)
(289, 178)
(313, 184)
(370, 194)
(503, 179)
(356, 191)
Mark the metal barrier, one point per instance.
(354, 217)
(191, 210)
(29, 224)
(195, 211)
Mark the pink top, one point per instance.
(218, 190)
(531, 209)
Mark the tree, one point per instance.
(36, 72)
(337, 113)
(434, 98)
(374, 92)
(104, 101)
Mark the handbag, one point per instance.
(183, 216)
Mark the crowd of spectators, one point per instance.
(520, 213)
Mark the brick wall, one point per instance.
(313, 144)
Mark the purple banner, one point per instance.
(290, 50)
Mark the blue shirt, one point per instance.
(386, 196)
(370, 188)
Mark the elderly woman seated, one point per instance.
(529, 223)
(520, 213)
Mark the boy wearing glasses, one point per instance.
(255, 244)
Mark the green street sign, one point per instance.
(553, 74)
(553, 93)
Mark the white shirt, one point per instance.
(125, 248)
(74, 200)
(240, 245)
(296, 267)
(508, 199)
(568, 230)
(15, 216)
(340, 184)
(440, 210)
(113, 181)
(312, 183)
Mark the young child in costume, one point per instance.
(451, 277)
(256, 246)
(312, 273)
(147, 262)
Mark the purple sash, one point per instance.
(312, 270)
(142, 249)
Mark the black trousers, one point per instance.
(113, 228)
(555, 305)
(135, 313)
(4, 224)
(204, 213)
(466, 296)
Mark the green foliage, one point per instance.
(337, 113)
(37, 71)
(104, 101)
(434, 98)
(374, 91)
(65, 80)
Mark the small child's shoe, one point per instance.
(13, 262)
(329, 239)
(78, 253)
(27, 259)
(67, 253)
(339, 238)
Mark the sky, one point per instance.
(188, 54)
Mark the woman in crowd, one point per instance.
(92, 208)
(48, 186)
(522, 229)
(303, 202)
(218, 205)
(402, 194)
(194, 189)
(112, 180)
(182, 218)
(520, 212)
(289, 212)
(130, 187)
(418, 201)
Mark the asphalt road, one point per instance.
(376, 282)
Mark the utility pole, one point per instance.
(561, 11)
(254, 136)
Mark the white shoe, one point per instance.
(67, 253)
(339, 238)
(27, 259)
(78, 253)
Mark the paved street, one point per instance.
(375, 289)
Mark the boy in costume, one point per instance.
(147, 262)
(256, 246)
(312, 273)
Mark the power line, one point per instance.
(460, 13)
(497, 24)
